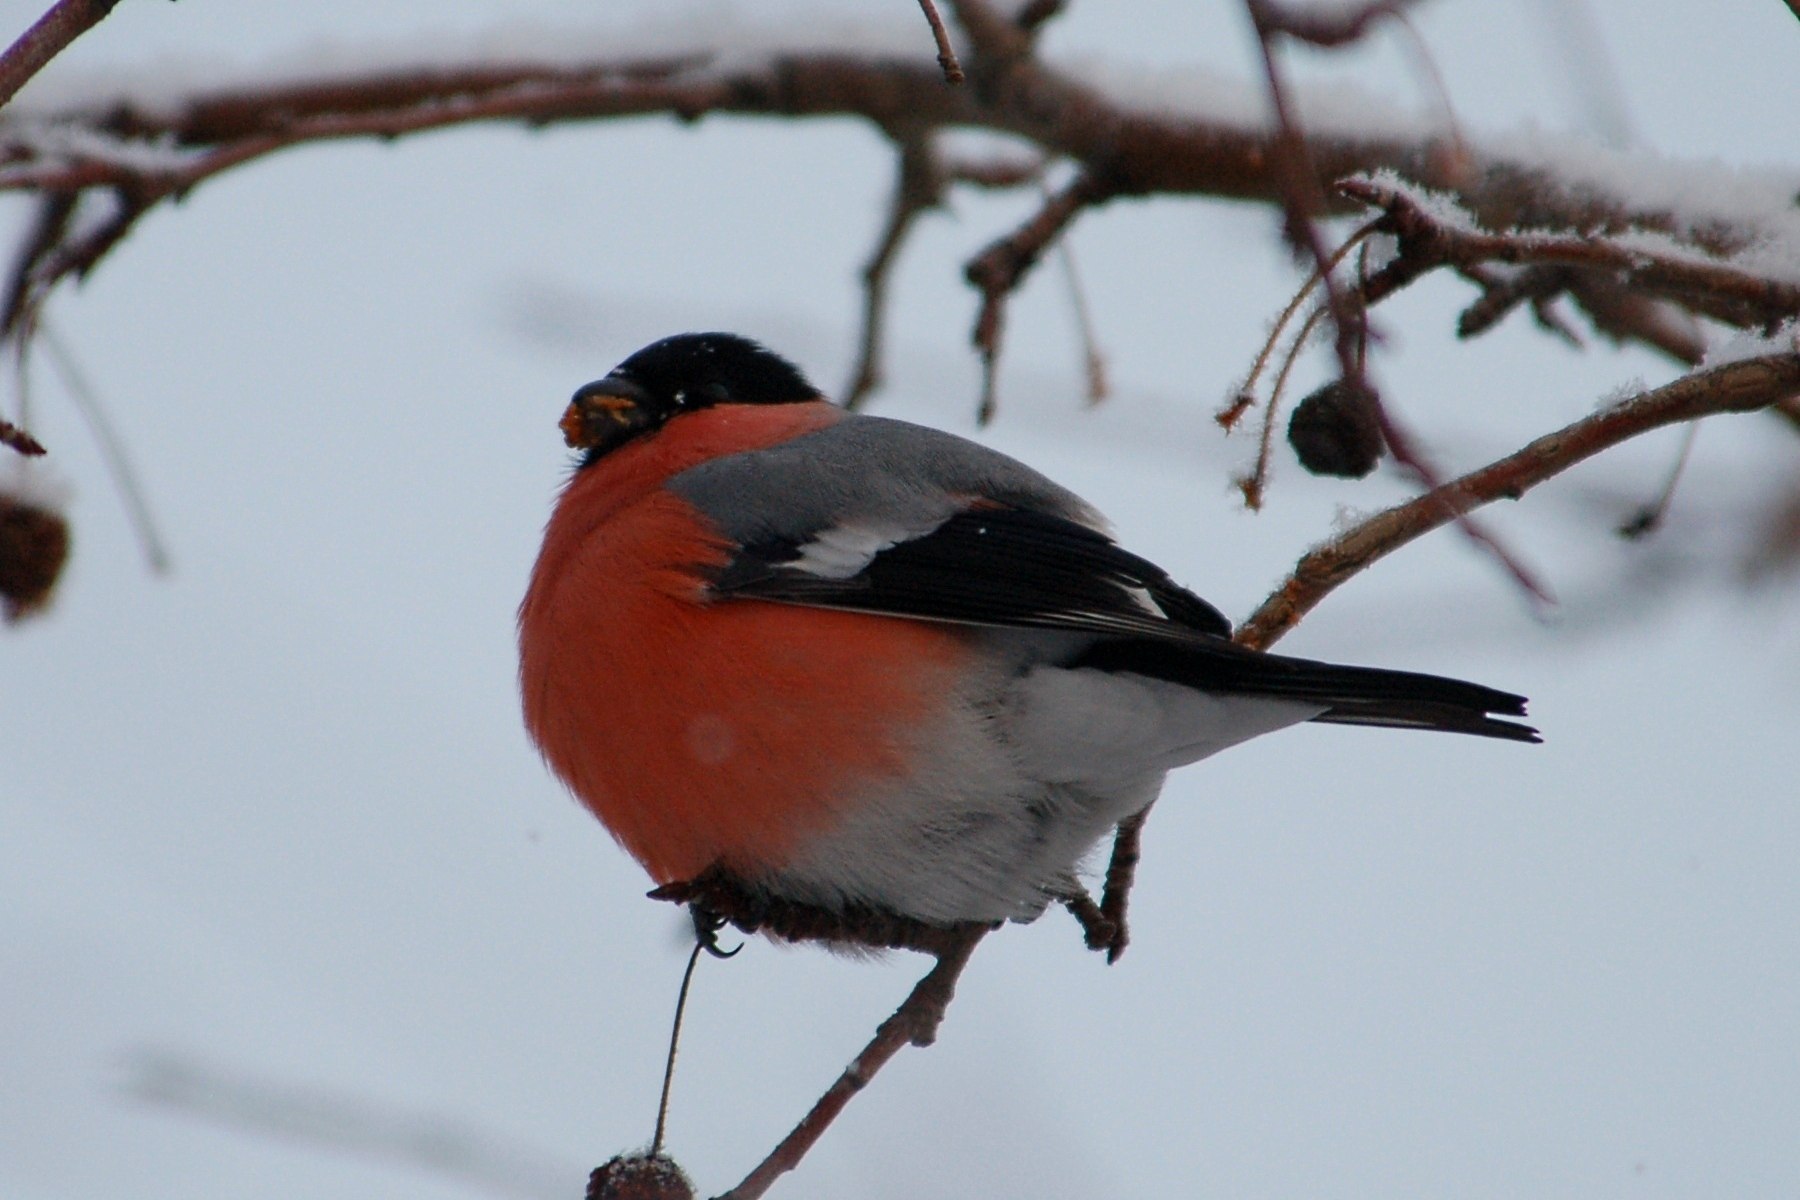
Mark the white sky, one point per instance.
(274, 816)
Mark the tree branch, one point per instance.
(946, 54)
(48, 36)
(915, 1021)
(998, 270)
(146, 154)
(1430, 239)
(1748, 385)
(920, 180)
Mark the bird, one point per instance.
(858, 668)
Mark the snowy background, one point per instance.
(274, 848)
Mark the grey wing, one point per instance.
(884, 516)
(867, 473)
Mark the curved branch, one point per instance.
(48, 36)
(1748, 385)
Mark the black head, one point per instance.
(678, 374)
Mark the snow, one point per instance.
(1738, 345)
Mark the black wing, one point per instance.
(1025, 568)
(993, 566)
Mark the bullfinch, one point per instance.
(853, 664)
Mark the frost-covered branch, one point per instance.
(120, 154)
(1433, 231)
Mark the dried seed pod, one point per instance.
(640, 1177)
(34, 545)
(1334, 430)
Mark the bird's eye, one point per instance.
(716, 393)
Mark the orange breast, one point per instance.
(707, 732)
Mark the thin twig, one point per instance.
(1748, 385)
(953, 72)
(918, 186)
(1304, 201)
(1092, 358)
(915, 1021)
(112, 448)
(1252, 485)
(49, 36)
(1458, 146)
(1649, 518)
(920, 181)
(1303, 194)
(668, 1083)
(997, 40)
(1245, 397)
(999, 269)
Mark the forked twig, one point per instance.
(921, 178)
(999, 269)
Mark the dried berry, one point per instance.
(34, 544)
(1334, 431)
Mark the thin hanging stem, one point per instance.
(112, 449)
(662, 1106)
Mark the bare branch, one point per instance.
(1649, 519)
(49, 36)
(113, 452)
(1303, 198)
(1000, 268)
(922, 176)
(1093, 359)
(946, 53)
(1720, 290)
(918, 186)
(1748, 385)
(146, 155)
(915, 1021)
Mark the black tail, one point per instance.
(1355, 695)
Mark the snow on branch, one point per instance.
(139, 147)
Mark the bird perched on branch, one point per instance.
(861, 670)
